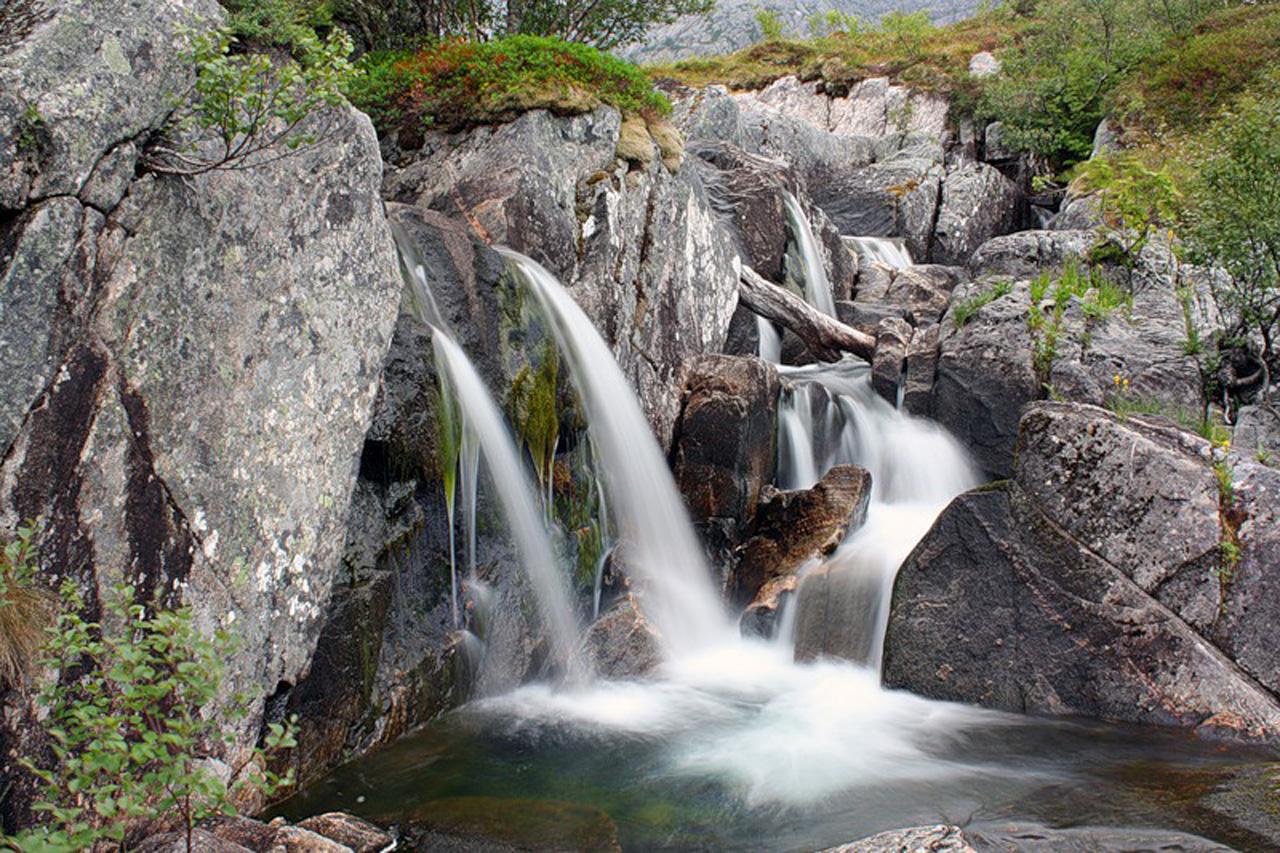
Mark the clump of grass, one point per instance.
(454, 85)
(965, 310)
(25, 608)
(934, 59)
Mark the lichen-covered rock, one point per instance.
(920, 839)
(96, 75)
(923, 291)
(642, 251)
(977, 203)
(873, 107)
(895, 198)
(1077, 587)
(1024, 254)
(794, 527)
(190, 364)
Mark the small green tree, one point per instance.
(908, 31)
(247, 108)
(770, 24)
(1232, 221)
(1137, 200)
(128, 715)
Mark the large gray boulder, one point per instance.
(1090, 583)
(556, 189)
(190, 364)
(977, 203)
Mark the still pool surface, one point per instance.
(742, 749)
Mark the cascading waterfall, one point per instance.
(832, 416)
(661, 548)
(889, 251)
(817, 287)
(516, 494)
(770, 348)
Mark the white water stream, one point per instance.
(817, 286)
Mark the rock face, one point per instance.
(794, 527)
(622, 643)
(994, 363)
(723, 453)
(1094, 583)
(977, 204)
(642, 251)
(199, 357)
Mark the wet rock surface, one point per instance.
(724, 455)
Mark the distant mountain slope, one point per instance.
(732, 25)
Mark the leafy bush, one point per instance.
(1232, 221)
(277, 23)
(1136, 200)
(24, 609)
(126, 712)
(247, 108)
(1224, 56)
(770, 24)
(832, 21)
(455, 84)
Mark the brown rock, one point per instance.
(360, 835)
(794, 527)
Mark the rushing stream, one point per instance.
(732, 744)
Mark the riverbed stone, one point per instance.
(1061, 587)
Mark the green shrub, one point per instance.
(24, 609)
(277, 23)
(455, 84)
(770, 24)
(127, 712)
(247, 107)
(1232, 221)
(1136, 200)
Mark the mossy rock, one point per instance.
(635, 145)
(526, 824)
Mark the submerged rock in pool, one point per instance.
(490, 822)
(1028, 837)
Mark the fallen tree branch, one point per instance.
(826, 337)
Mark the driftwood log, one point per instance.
(826, 337)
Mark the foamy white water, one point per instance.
(887, 251)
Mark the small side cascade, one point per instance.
(472, 426)
(817, 286)
(830, 415)
(891, 252)
(661, 548)
(770, 348)
(517, 496)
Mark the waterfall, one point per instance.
(770, 348)
(516, 493)
(817, 287)
(887, 251)
(660, 547)
(831, 416)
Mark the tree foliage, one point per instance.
(1232, 220)
(128, 713)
